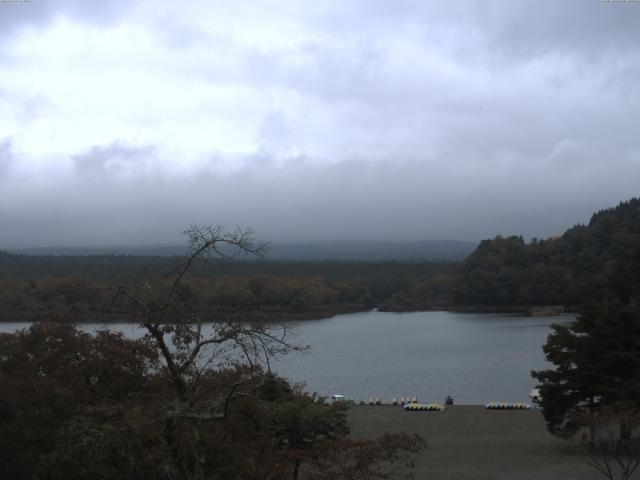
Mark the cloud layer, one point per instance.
(373, 119)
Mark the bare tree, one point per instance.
(191, 351)
(611, 443)
(177, 329)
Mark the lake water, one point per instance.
(475, 358)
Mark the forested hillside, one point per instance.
(580, 266)
(77, 287)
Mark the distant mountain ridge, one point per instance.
(429, 250)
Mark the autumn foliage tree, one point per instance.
(49, 372)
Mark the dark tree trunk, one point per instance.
(296, 469)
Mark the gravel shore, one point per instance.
(472, 443)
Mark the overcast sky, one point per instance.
(124, 122)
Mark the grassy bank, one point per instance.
(472, 443)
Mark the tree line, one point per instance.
(58, 287)
(265, 297)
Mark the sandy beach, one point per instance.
(472, 443)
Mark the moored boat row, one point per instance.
(428, 407)
(507, 406)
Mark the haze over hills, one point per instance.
(428, 250)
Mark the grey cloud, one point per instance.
(17, 14)
(535, 116)
(354, 199)
(527, 127)
(588, 28)
(517, 30)
(28, 106)
(184, 36)
(14, 15)
(6, 157)
(275, 133)
(110, 160)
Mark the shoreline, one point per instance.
(524, 311)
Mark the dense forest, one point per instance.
(78, 287)
(582, 265)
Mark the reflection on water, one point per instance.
(475, 358)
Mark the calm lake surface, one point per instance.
(475, 358)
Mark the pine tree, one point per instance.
(597, 364)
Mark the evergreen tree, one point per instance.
(586, 263)
(597, 364)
